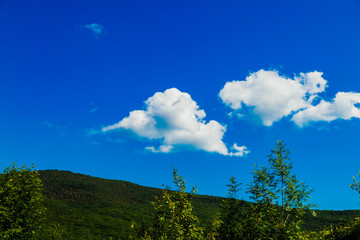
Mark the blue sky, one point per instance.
(128, 89)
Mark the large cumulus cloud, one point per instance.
(174, 118)
(272, 96)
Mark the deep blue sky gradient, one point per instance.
(54, 71)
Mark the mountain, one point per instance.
(85, 207)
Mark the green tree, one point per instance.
(349, 229)
(355, 185)
(21, 203)
(280, 198)
(173, 215)
(262, 212)
(232, 215)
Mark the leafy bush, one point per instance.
(21, 203)
(173, 217)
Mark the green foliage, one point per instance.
(81, 207)
(173, 215)
(262, 214)
(229, 224)
(94, 208)
(318, 220)
(84, 207)
(280, 199)
(53, 231)
(346, 230)
(355, 184)
(21, 203)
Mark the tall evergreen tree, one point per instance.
(231, 216)
(280, 198)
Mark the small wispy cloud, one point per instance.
(48, 124)
(162, 149)
(62, 129)
(92, 131)
(95, 28)
(93, 109)
(239, 151)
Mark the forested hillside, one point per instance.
(84, 207)
(93, 208)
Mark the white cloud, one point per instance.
(95, 28)
(93, 109)
(175, 119)
(239, 150)
(162, 149)
(341, 107)
(140, 122)
(272, 96)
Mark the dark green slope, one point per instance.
(94, 208)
